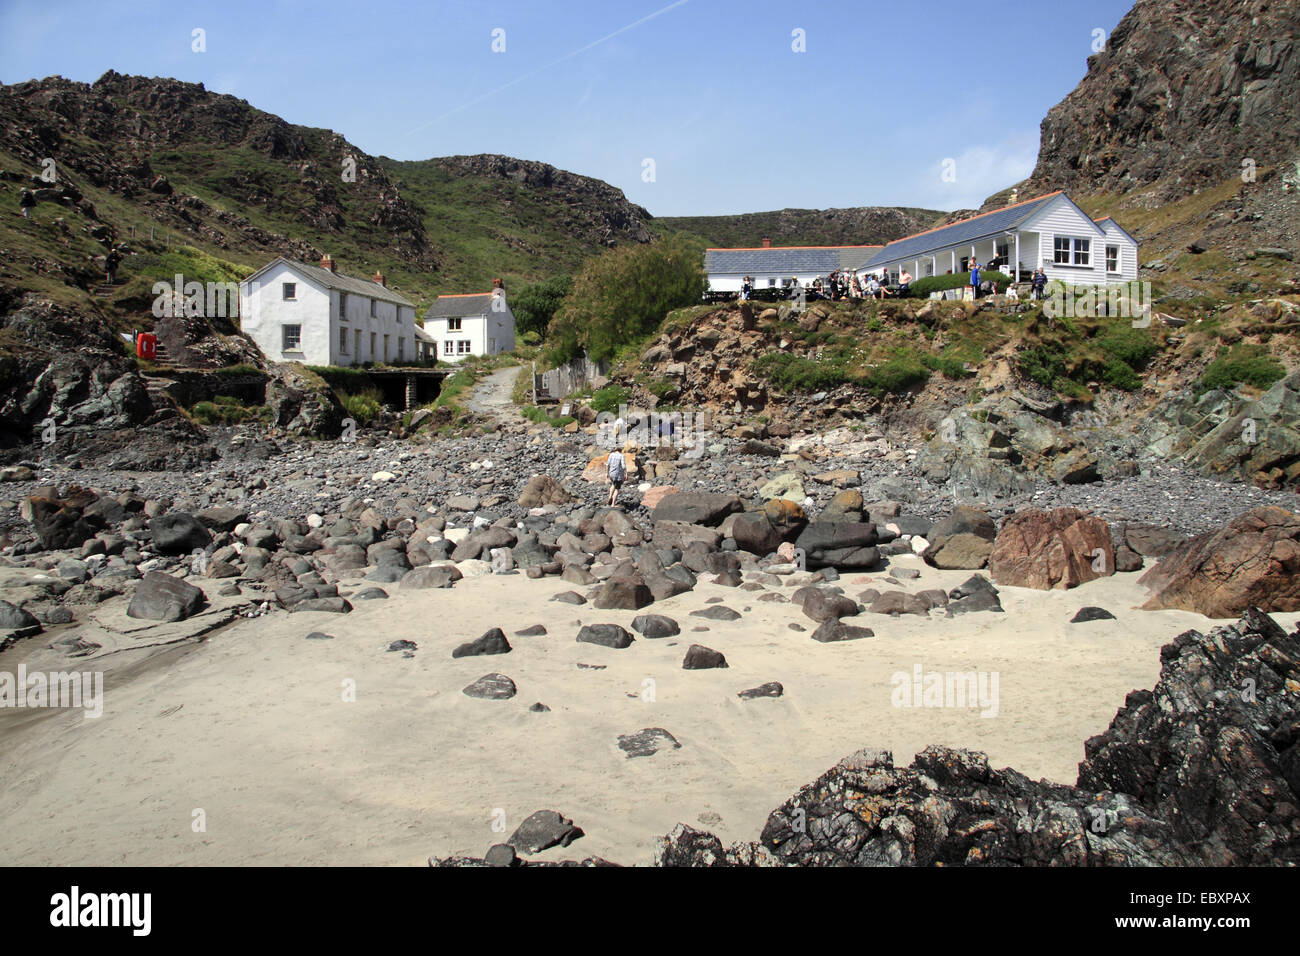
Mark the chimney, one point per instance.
(379, 277)
(327, 262)
(767, 243)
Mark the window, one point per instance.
(356, 341)
(1067, 251)
(929, 268)
(292, 341)
(401, 350)
(1112, 258)
(771, 283)
(289, 291)
(373, 339)
(372, 308)
(385, 348)
(343, 305)
(448, 347)
(462, 347)
(965, 264)
(343, 341)
(1003, 252)
(453, 325)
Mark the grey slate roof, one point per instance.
(341, 282)
(786, 260)
(968, 230)
(459, 306)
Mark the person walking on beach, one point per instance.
(616, 470)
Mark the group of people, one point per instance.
(840, 284)
(1037, 283)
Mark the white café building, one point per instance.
(1049, 232)
(316, 315)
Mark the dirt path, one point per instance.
(491, 396)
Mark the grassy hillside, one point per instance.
(865, 225)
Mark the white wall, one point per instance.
(264, 313)
(731, 281)
(493, 328)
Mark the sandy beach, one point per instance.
(247, 731)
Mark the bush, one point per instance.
(362, 406)
(535, 305)
(896, 375)
(946, 365)
(224, 410)
(609, 398)
(623, 295)
(1128, 345)
(1242, 365)
(1121, 375)
(1044, 364)
(792, 373)
(921, 288)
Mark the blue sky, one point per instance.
(713, 91)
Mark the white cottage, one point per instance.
(316, 315)
(1050, 232)
(773, 267)
(471, 324)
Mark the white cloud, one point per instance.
(976, 173)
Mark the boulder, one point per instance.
(653, 496)
(542, 830)
(699, 657)
(788, 485)
(493, 642)
(696, 507)
(440, 576)
(626, 593)
(655, 626)
(844, 506)
(543, 490)
(647, 742)
(966, 552)
(162, 597)
(842, 545)
(491, 687)
(823, 605)
(178, 533)
(754, 532)
(1252, 560)
(1061, 549)
(606, 635)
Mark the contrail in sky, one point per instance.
(540, 69)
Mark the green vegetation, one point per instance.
(1242, 365)
(921, 288)
(363, 405)
(609, 398)
(543, 416)
(534, 306)
(791, 227)
(224, 410)
(453, 387)
(623, 295)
